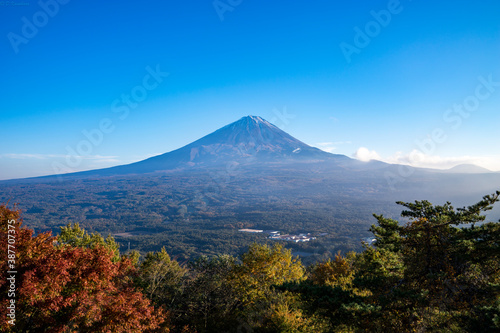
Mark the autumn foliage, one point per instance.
(62, 288)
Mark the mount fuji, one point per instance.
(250, 140)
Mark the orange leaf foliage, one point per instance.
(69, 289)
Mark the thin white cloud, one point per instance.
(420, 160)
(326, 146)
(33, 165)
(331, 146)
(28, 156)
(105, 160)
(100, 158)
(52, 156)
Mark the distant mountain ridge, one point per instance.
(468, 168)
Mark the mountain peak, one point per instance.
(254, 118)
(251, 130)
(252, 121)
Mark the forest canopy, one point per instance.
(437, 271)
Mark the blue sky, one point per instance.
(401, 81)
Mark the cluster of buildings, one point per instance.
(276, 235)
(293, 238)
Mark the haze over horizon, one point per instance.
(398, 81)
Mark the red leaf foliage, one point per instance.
(69, 289)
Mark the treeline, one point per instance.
(438, 272)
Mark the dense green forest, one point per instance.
(199, 212)
(439, 270)
(191, 214)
